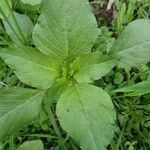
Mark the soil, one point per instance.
(101, 11)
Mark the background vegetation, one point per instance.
(133, 110)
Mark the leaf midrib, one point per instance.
(133, 47)
(18, 106)
(87, 119)
(34, 62)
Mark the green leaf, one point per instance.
(4, 8)
(145, 107)
(92, 67)
(32, 145)
(118, 78)
(25, 25)
(57, 89)
(65, 29)
(137, 89)
(31, 2)
(148, 78)
(132, 48)
(18, 107)
(87, 114)
(1, 29)
(31, 66)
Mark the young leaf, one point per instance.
(32, 145)
(137, 89)
(25, 25)
(132, 48)
(56, 90)
(92, 67)
(31, 2)
(31, 66)
(18, 107)
(87, 114)
(65, 28)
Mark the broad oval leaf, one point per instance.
(32, 145)
(91, 67)
(65, 28)
(132, 48)
(31, 2)
(26, 27)
(18, 107)
(87, 114)
(31, 66)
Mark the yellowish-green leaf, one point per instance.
(92, 67)
(32, 145)
(31, 66)
(31, 2)
(5, 8)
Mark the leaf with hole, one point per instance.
(87, 114)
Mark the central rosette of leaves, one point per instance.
(67, 72)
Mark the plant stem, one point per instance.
(53, 121)
(41, 135)
(121, 135)
(8, 75)
(51, 115)
(11, 142)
